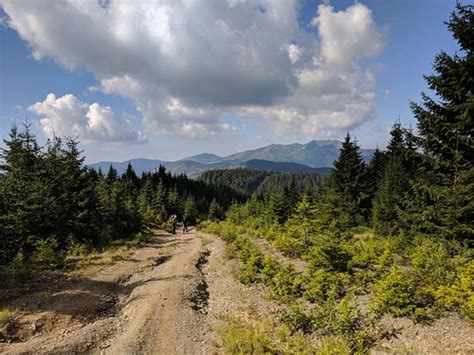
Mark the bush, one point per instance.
(334, 345)
(331, 252)
(290, 244)
(270, 268)
(342, 318)
(320, 284)
(78, 249)
(396, 293)
(286, 282)
(296, 318)
(47, 254)
(459, 295)
(241, 338)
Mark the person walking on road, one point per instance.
(185, 225)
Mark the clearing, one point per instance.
(171, 296)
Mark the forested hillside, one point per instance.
(52, 205)
(390, 238)
(262, 183)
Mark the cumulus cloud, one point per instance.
(347, 35)
(68, 116)
(187, 63)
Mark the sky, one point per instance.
(166, 79)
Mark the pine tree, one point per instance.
(25, 196)
(112, 175)
(174, 202)
(350, 182)
(304, 215)
(278, 206)
(445, 135)
(215, 211)
(394, 184)
(144, 201)
(190, 209)
(389, 197)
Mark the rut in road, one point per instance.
(164, 310)
(159, 317)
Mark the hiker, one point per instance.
(172, 220)
(185, 224)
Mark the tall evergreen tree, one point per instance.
(441, 198)
(398, 168)
(350, 182)
(278, 206)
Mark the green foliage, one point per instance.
(320, 284)
(334, 345)
(296, 318)
(286, 283)
(262, 183)
(331, 252)
(396, 293)
(47, 255)
(389, 197)
(342, 318)
(239, 338)
(460, 294)
(216, 212)
(50, 202)
(441, 200)
(278, 206)
(350, 183)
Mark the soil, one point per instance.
(170, 297)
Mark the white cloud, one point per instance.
(187, 63)
(347, 35)
(294, 53)
(67, 116)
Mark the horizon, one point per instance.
(219, 156)
(258, 73)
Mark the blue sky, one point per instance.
(221, 79)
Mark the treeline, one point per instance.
(399, 229)
(263, 183)
(52, 204)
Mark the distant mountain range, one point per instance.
(140, 165)
(315, 156)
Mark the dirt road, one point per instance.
(152, 302)
(171, 297)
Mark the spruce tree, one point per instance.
(25, 194)
(441, 197)
(278, 206)
(350, 182)
(215, 211)
(394, 184)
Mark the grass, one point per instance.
(6, 314)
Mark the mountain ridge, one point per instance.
(315, 154)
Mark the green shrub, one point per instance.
(459, 295)
(78, 249)
(286, 282)
(296, 318)
(239, 338)
(396, 293)
(331, 252)
(47, 254)
(431, 261)
(319, 284)
(334, 345)
(290, 242)
(270, 268)
(342, 318)
(291, 342)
